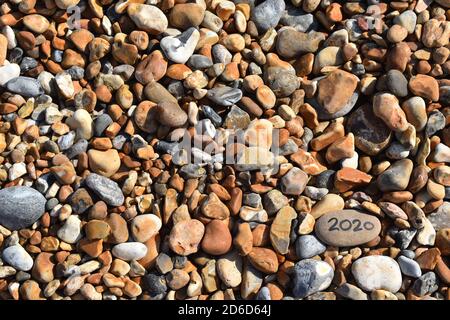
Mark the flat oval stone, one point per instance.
(377, 272)
(346, 228)
(20, 207)
(129, 251)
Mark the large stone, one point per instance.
(20, 207)
(377, 272)
(347, 228)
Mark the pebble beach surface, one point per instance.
(222, 150)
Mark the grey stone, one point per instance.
(396, 177)
(224, 96)
(436, 122)
(17, 257)
(308, 246)
(25, 86)
(267, 14)
(282, 82)
(426, 284)
(298, 19)
(101, 123)
(20, 207)
(397, 83)
(106, 189)
(311, 276)
(409, 267)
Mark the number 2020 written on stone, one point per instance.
(346, 228)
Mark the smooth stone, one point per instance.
(8, 72)
(347, 228)
(170, 114)
(386, 107)
(145, 226)
(407, 19)
(224, 96)
(20, 207)
(397, 83)
(311, 276)
(106, 189)
(25, 86)
(70, 232)
(415, 110)
(329, 203)
(148, 18)
(396, 177)
(281, 81)
(17, 257)
(377, 272)
(436, 122)
(308, 246)
(128, 251)
(409, 267)
(105, 163)
(236, 119)
(181, 47)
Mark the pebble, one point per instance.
(347, 228)
(267, 14)
(311, 276)
(21, 207)
(145, 226)
(25, 86)
(294, 182)
(147, 17)
(8, 72)
(409, 267)
(217, 239)
(70, 232)
(281, 228)
(129, 251)
(308, 246)
(181, 47)
(351, 292)
(425, 284)
(170, 114)
(377, 272)
(229, 269)
(17, 257)
(396, 177)
(105, 188)
(224, 96)
(185, 237)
